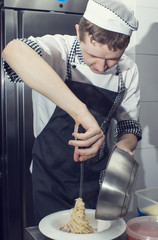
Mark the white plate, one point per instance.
(108, 230)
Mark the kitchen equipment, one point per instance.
(142, 228)
(117, 186)
(147, 201)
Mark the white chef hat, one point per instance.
(111, 15)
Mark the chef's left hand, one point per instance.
(126, 149)
(127, 143)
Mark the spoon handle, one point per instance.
(81, 179)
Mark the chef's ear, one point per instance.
(77, 31)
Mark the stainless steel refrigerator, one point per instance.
(22, 18)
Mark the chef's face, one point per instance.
(98, 56)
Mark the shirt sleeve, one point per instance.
(128, 126)
(12, 76)
(127, 115)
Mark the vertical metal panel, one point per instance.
(41, 23)
(3, 205)
(12, 142)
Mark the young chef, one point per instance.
(81, 80)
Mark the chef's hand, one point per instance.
(126, 149)
(127, 143)
(90, 140)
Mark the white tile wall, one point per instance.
(147, 3)
(146, 36)
(130, 4)
(148, 116)
(148, 168)
(148, 73)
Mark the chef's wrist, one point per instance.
(78, 112)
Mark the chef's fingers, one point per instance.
(87, 142)
(85, 158)
(76, 155)
(125, 148)
(76, 128)
(87, 134)
(81, 154)
(79, 158)
(130, 153)
(89, 151)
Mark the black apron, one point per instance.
(55, 175)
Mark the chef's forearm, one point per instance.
(128, 140)
(38, 75)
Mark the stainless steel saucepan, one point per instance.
(117, 186)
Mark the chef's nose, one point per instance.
(101, 65)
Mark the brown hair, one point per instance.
(114, 40)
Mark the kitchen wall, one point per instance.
(144, 50)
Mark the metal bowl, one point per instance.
(117, 186)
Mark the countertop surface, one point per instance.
(33, 233)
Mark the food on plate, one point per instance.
(78, 222)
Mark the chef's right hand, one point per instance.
(88, 143)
